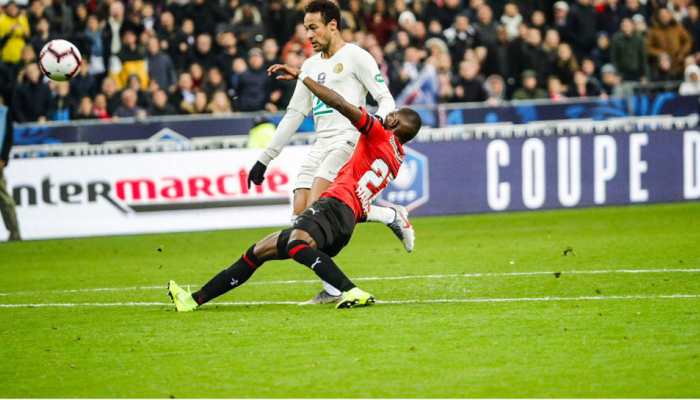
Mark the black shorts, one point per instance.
(330, 223)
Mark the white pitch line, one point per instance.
(381, 278)
(409, 301)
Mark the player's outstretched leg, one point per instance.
(396, 218)
(302, 249)
(235, 275)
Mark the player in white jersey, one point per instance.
(351, 71)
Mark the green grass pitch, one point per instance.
(621, 319)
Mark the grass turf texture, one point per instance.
(605, 347)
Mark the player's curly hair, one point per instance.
(328, 9)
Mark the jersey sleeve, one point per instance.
(367, 72)
(368, 124)
(301, 98)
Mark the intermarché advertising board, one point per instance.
(200, 190)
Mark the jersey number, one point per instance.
(320, 108)
(375, 177)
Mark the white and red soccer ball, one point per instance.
(60, 60)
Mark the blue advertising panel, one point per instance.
(555, 172)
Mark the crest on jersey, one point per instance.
(321, 78)
(410, 188)
(338, 68)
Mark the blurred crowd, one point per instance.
(154, 58)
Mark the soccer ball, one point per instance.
(59, 60)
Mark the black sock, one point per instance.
(231, 277)
(321, 264)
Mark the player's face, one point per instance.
(392, 122)
(317, 31)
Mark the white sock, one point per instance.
(294, 218)
(330, 289)
(385, 215)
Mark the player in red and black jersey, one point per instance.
(323, 229)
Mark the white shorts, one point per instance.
(325, 159)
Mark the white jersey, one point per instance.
(352, 72)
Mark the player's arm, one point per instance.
(329, 96)
(367, 72)
(299, 106)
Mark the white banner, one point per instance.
(146, 193)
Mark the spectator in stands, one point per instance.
(83, 84)
(160, 66)
(214, 82)
(184, 95)
(691, 84)
(692, 24)
(662, 71)
(129, 107)
(582, 87)
(14, 31)
(95, 57)
(281, 91)
(134, 83)
(219, 104)
(601, 52)
(270, 52)
(461, 36)
(551, 44)
(32, 97)
(496, 90)
(511, 19)
(40, 35)
(529, 89)
(628, 53)
(133, 59)
(539, 21)
(555, 89)
(298, 42)
(203, 51)
(562, 21)
(252, 88)
(167, 33)
(669, 37)
(85, 109)
(160, 105)
(184, 41)
(99, 107)
(583, 25)
(227, 53)
(248, 25)
(61, 17)
(469, 87)
(197, 73)
(566, 64)
(611, 82)
(61, 105)
(610, 14)
(534, 57)
(112, 95)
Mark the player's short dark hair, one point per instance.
(328, 9)
(414, 122)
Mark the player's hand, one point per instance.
(257, 174)
(286, 72)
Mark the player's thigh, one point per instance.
(266, 249)
(302, 235)
(309, 166)
(300, 200)
(319, 186)
(329, 168)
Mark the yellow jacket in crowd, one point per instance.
(18, 29)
